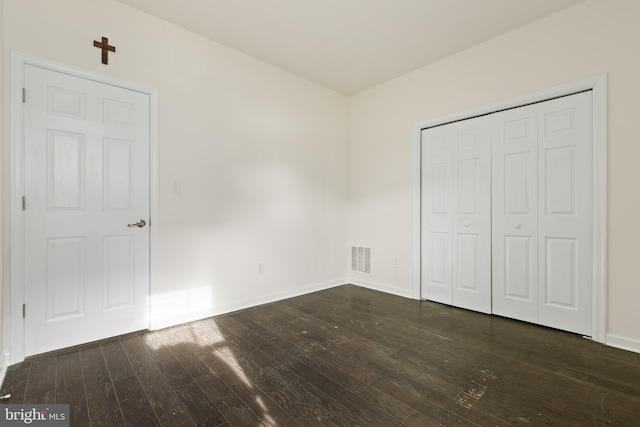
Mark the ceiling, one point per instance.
(350, 45)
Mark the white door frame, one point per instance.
(598, 85)
(15, 353)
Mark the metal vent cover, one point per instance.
(361, 259)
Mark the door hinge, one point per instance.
(24, 310)
(24, 203)
(24, 95)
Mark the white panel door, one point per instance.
(456, 214)
(471, 238)
(565, 213)
(543, 213)
(437, 214)
(86, 179)
(514, 214)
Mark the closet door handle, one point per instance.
(516, 226)
(466, 223)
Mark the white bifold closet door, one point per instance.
(515, 214)
(507, 213)
(456, 214)
(542, 214)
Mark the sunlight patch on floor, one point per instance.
(173, 308)
(206, 333)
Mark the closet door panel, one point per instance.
(514, 214)
(518, 186)
(565, 213)
(471, 279)
(437, 214)
(518, 256)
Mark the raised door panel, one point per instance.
(559, 165)
(438, 262)
(565, 213)
(559, 278)
(471, 224)
(467, 187)
(439, 189)
(514, 214)
(517, 175)
(65, 278)
(118, 165)
(65, 171)
(436, 208)
(467, 277)
(65, 102)
(118, 281)
(517, 269)
(118, 113)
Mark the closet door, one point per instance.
(543, 213)
(514, 214)
(456, 214)
(565, 213)
(471, 278)
(437, 214)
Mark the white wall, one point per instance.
(260, 154)
(4, 227)
(591, 38)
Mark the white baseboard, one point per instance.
(166, 321)
(623, 343)
(616, 341)
(405, 293)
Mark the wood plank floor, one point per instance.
(342, 357)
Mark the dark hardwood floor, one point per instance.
(342, 357)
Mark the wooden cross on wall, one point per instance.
(104, 45)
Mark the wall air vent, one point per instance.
(361, 259)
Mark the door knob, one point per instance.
(517, 225)
(466, 223)
(140, 224)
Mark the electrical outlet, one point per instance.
(176, 187)
(395, 262)
(261, 268)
